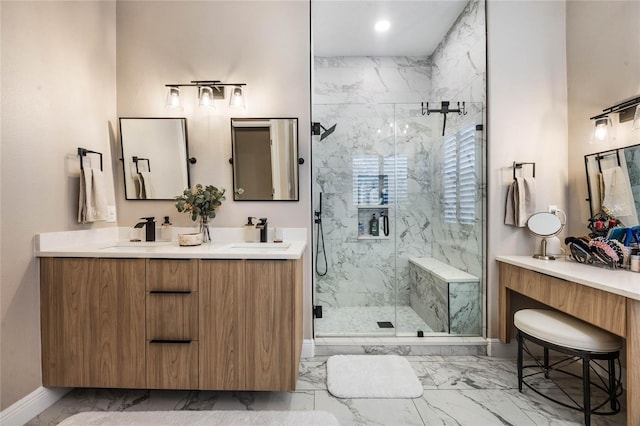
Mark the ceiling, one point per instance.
(345, 28)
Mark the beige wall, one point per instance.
(603, 68)
(58, 93)
(527, 119)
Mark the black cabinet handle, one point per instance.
(184, 342)
(170, 292)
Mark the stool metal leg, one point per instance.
(546, 362)
(586, 390)
(613, 390)
(520, 339)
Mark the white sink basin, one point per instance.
(267, 246)
(136, 245)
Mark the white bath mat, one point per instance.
(220, 417)
(372, 376)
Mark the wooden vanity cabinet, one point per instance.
(250, 324)
(172, 323)
(93, 322)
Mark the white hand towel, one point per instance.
(92, 201)
(617, 199)
(526, 200)
(98, 208)
(82, 198)
(509, 213)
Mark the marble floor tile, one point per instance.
(458, 390)
(369, 411)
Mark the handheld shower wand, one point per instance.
(319, 236)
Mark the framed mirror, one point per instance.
(154, 157)
(613, 184)
(265, 159)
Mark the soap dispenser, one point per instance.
(166, 230)
(250, 231)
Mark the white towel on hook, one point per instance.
(617, 200)
(92, 200)
(521, 201)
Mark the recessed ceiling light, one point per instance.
(382, 26)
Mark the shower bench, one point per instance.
(446, 298)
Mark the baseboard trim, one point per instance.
(308, 348)
(31, 405)
(497, 349)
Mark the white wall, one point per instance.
(58, 93)
(527, 108)
(603, 64)
(262, 44)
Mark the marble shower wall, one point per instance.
(375, 102)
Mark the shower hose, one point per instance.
(320, 236)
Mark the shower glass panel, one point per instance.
(390, 160)
(353, 173)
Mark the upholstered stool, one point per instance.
(579, 341)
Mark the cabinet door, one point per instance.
(271, 362)
(116, 356)
(222, 324)
(65, 331)
(93, 322)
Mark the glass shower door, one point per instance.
(354, 175)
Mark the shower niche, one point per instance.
(372, 200)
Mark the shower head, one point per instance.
(328, 131)
(315, 130)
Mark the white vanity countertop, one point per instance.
(617, 281)
(226, 243)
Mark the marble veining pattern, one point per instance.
(459, 390)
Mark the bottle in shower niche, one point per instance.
(373, 226)
(360, 229)
(381, 228)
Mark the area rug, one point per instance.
(372, 376)
(221, 417)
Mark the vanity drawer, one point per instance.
(172, 274)
(172, 315)
(172, 364)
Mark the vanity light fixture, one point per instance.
(603, 124)
(208, 92)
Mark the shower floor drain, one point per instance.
(385, 324)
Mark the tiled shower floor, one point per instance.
(363, 321)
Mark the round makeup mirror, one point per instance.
(544, 225)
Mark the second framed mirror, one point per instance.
(265, 159)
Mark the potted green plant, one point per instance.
(201, 202)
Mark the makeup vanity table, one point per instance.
(609, 299)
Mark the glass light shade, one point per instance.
(603, 131)
(205, 95)
(636, 119)
(236, 100)
(173, 98)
